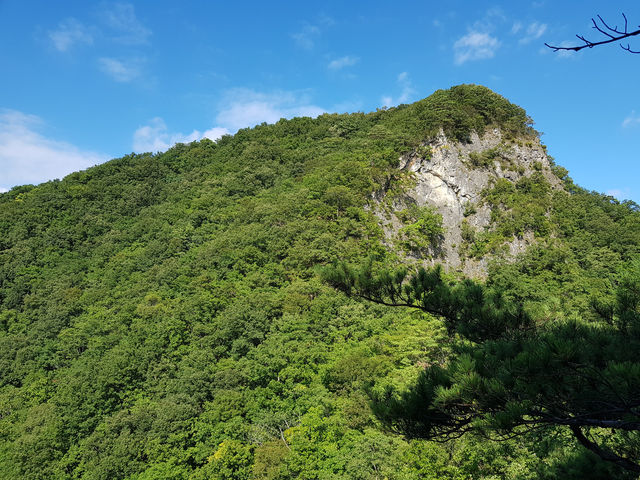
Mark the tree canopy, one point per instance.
(161, 315)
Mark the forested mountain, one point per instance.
(166, 316)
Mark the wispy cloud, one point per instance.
(533, 32)
(475, 46)
(156, 137)
(70, 32)
(632, 120)
(121, 18)
(119, 24)
(407, 90)
(342, 62)
(28, 156)
(309, 34)
(306, 38)
(488, 23)
(120, 71)
(481, 42)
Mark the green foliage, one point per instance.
(161, 316)
(516, 209)
(423, 229)
(463, 109)
(484, 159)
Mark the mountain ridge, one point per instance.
(161, 316)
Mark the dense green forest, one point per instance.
(169, 316)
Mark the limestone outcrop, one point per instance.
(450, 177)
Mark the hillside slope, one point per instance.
(161, 318)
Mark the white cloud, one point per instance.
(121, 17)
(407, 90)
(475, 46)
(3, 190)
(119, 70)
(214, 133)
(306, 38)
(534, 31)
(516, 27)
(240, 108)
(27, 156)
(70, 32)
(151, 138)
(121, 24)
(342, 62)
(156, 136)
(632, 120)
(246, 108)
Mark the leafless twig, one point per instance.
(613, 34)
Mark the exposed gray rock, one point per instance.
(447, 180)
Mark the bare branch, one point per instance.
(628, 49)
(613, 33)
(595, 25)
(614, 29)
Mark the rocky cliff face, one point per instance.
(450, 177)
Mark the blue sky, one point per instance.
(83, 82)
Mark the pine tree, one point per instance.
(510, 374)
